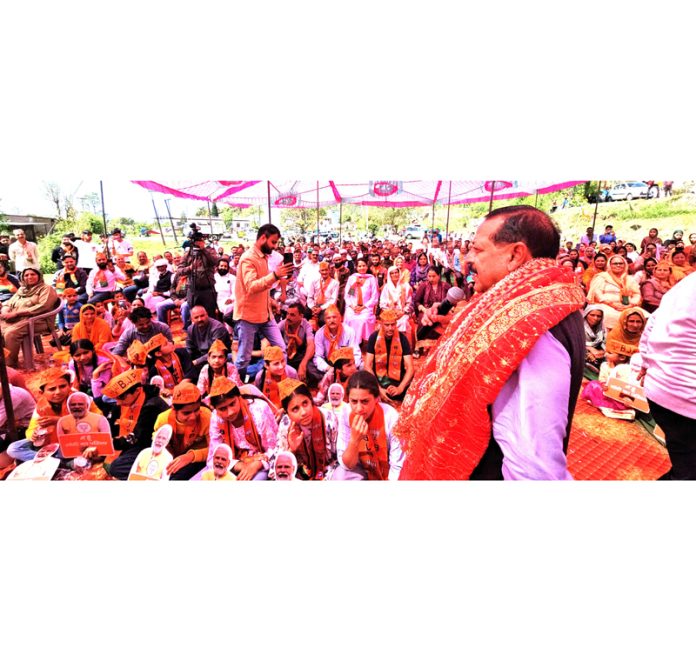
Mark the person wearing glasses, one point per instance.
(614, 290)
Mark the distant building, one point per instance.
(34, 226)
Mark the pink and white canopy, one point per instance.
(376, 193)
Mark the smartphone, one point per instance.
(287, 258)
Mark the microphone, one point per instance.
(454, 295)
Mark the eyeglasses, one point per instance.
(615, 263)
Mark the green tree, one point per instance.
(214, 211)
(302, 221)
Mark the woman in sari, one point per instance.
(595, 336)
(91, 327)
(656, 286)
(33, 297)
(645, 271)
(680, 267)
(624, 338)
(430, 292)
(599, 265)
(93, 369)
(405, 273)
(367, 448)
(614, 290)
(308, 431)
(362, 296)
(397, 295)
(420, 272)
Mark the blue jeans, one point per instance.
(168, 304)
(247, 332)
(25, 450)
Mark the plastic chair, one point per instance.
(33, 341)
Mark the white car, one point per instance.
(629, 190)
(413, 232)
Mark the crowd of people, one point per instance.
(300, 359)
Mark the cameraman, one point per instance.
(199, 264)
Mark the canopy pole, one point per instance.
(536, 197)
(268, 196)
(6, 394)
(433, 223)
(159, 224)
(340, 223)
(594, 219)
(317, 213)
(106, 230)
(449, 199)
(490, 204)
(171, 221)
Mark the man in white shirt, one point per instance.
(224, 287)
(322, 292)
(86, 251)
(23, 253)
(309, 271)
(101, 282)
(118, 245)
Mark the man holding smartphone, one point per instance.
(252, 304)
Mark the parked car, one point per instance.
(629, 190)
(413, 232)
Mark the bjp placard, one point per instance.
(73, 445)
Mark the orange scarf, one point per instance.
(393, 369)
(481, 348)
(180, 443)
(45, 410)
(372, 450)
(333, 339)
(129, 415)
(359, 282)
(312, 455)
(321, 298)
(171, 375)
(294, 340)
(250, 432)
(270, 388)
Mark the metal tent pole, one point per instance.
(171, 220)
(268, 196)
(490, 204)
(449, 199)
(159, 224)
(106, 229)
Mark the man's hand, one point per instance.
(283, 271)
(249, 470)
(641, 375)
(302, 371)
(48, 420)
(178, 463)
(90, 453)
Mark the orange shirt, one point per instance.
(252, 289)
